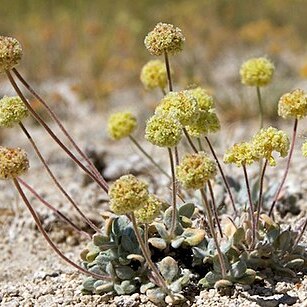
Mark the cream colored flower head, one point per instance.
(10, 53)
(153, 75)
(181, 105)
(206, 122)
(150, 211)
(293, 105)
(163, 131)
(269, 140)
(13, 162)
(195, 170)
(257, 72)
(164, 38)
(127, 194)
(240, 154)
(12, 111)
(304, 149)
(204, 100)
(121, 125)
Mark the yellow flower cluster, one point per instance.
(150, 210)
(181, 105)
(293, 104)
(240, 154)
(13, 162)
(121, 125)
(12, 111)
(304, 149)
(163, 131)
(153, 75)
(206, 122)
(127, 194)
(10, 53)
(204, 100)
(164, 38)
(257, 72)
(195, 170)
(266, 141)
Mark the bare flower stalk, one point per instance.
(251, 205)
(46, 236)
(174, 190)
(136, 143)
(58, 122)
(223, 175)
(260, 198)
(214, 209)
(56, 211)
(189, 140)
(287, 167)
(56, 182)
(162, 282)
(57, 140)
(212, 230)
(260, 107)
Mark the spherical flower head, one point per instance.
(12, 111)
(195, 170)
(204, 100)
(10, 53)
(257, 72)
(121, 125)
(163, 130)
(13, 162)
(293, 104)
(164, 38)
(150, 211)
(153, 75)
(240, 154)
(206, 122)
(266, 141)
(304, 149)
(182, 105)
(127, 194)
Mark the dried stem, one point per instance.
(212, 230)
(147, 257)
(56, 211)
(58, 122)
(174, 190)
(46, 236)
(287, 167)
(56, 182)
(223, 175)
(168, 71)
(298, 238)
(50, 132)
(214, 209)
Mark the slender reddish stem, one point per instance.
(50, 132)
(222, 174)
(189, 140)
(46, 236)
(56, 211)
(214, 209)
(57, 120)
(260, 198)
(54, 179)
(211, 226)
(287, 167)
(174, 193)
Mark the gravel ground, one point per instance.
(32, 275)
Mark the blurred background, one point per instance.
(94, 49)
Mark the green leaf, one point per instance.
(168, 268)
(186, 210)
(238, 269)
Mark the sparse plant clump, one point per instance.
(158, 247)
